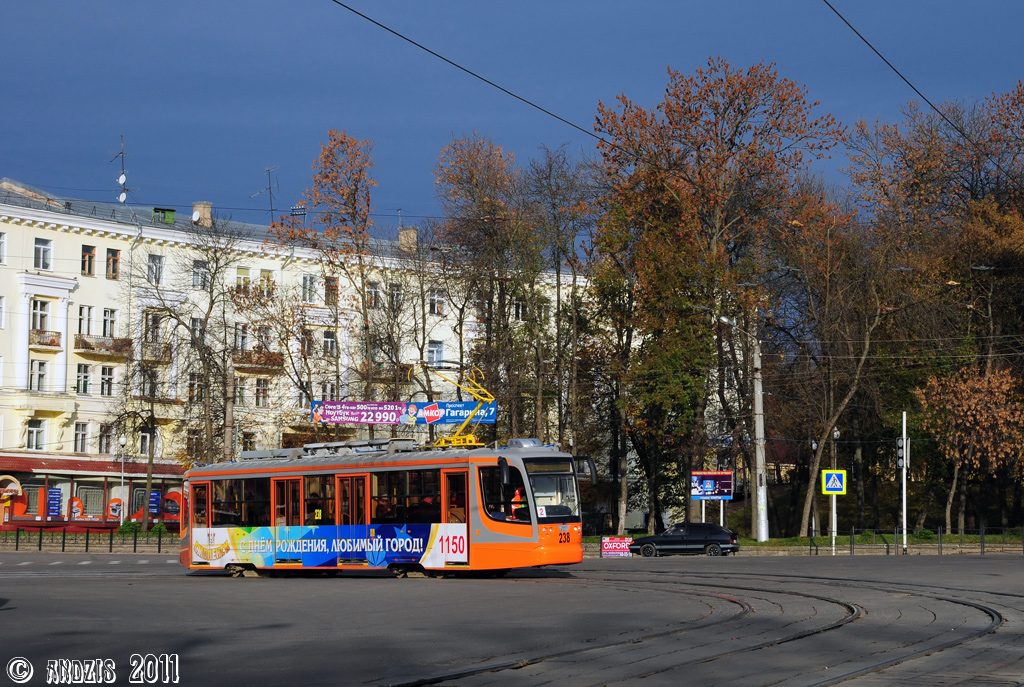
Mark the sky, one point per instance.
(208, 95)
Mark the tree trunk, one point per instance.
(949, 498)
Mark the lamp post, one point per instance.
(835, 437)
(760, 471)
(122, 441)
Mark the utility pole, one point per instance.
(761, 485)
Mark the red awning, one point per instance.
(39, 464)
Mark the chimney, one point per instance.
(205, 212)
(408, 241)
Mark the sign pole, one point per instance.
(906, 459)
(833, 528)
(702, 503)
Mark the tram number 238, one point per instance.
(564, 538)
(453, 544)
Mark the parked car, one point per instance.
(688, 537)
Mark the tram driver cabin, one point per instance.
(353, 505)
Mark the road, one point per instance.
(812, 621)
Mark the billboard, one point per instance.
(400, 413)
(711, 485)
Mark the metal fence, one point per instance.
(937, 542)
(88, 541)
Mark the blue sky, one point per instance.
(209, 94)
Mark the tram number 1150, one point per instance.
(453, 544)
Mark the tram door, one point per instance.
(455, 537)
(352, 500)
(351, 509)
(287, 517)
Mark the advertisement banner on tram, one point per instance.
(430, 545)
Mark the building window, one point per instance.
(40, 314)
(306, 343)
(241, 337)
(262, 392)
(3, 313)
(436, 302)
(85, 320)
(331, 290)
(330, 344)
(263, 335)
(37, 375)
(81, 437)
(113, 263)
(106, 381)
(194, 443)
(43, 254)
(329, 391)
(155, 269)
(88, 261)
(308, 288)
(372, 295)
(82, 379)
(152, 331)
(435, 353)
(3, 248)
(34, 436)
(519, 310)
(198, 329)
(195, 387)
(109, 322)
(266, 283)
(394, 297)
(106, 439)
(147, 442)
(150, 383)
(200, 274)
(242, 279)
(248, 441)
(240, 391)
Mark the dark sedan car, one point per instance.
(688, 537)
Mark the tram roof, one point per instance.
(289, 460)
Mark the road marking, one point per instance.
(144, 562)
(171, 560)
(85, 563)
(115, 562)
(56, 563)
(25, 563)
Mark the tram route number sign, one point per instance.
(711, 485)
(833, 482)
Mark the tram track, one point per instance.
(496, 673)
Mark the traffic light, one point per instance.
(899, 453)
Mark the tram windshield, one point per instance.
(553, 481)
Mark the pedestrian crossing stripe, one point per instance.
(833, 481)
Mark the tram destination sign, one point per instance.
(400, 413)
(711, 485)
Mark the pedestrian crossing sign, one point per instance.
(833, 481)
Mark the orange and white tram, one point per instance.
(355, 506)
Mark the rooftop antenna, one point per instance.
(269, 190)
(399, 218)
(123, 179)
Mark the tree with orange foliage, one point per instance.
(692, 187)
(978, 419)
(339, 203)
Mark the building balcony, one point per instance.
(105, 346)
(384, 373)
(156, 352)
(44, 340)
(257, 360)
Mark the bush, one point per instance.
(129, 527)
(158, 528)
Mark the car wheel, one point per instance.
(648, 551)
(713, 550)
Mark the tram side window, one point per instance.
(402, 496)
(504, 501)
(318, 490)
(256, 502)
(226, 503)
(199, 505)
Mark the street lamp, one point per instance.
(760, 471)
(122, 441)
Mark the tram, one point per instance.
(384, 505)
